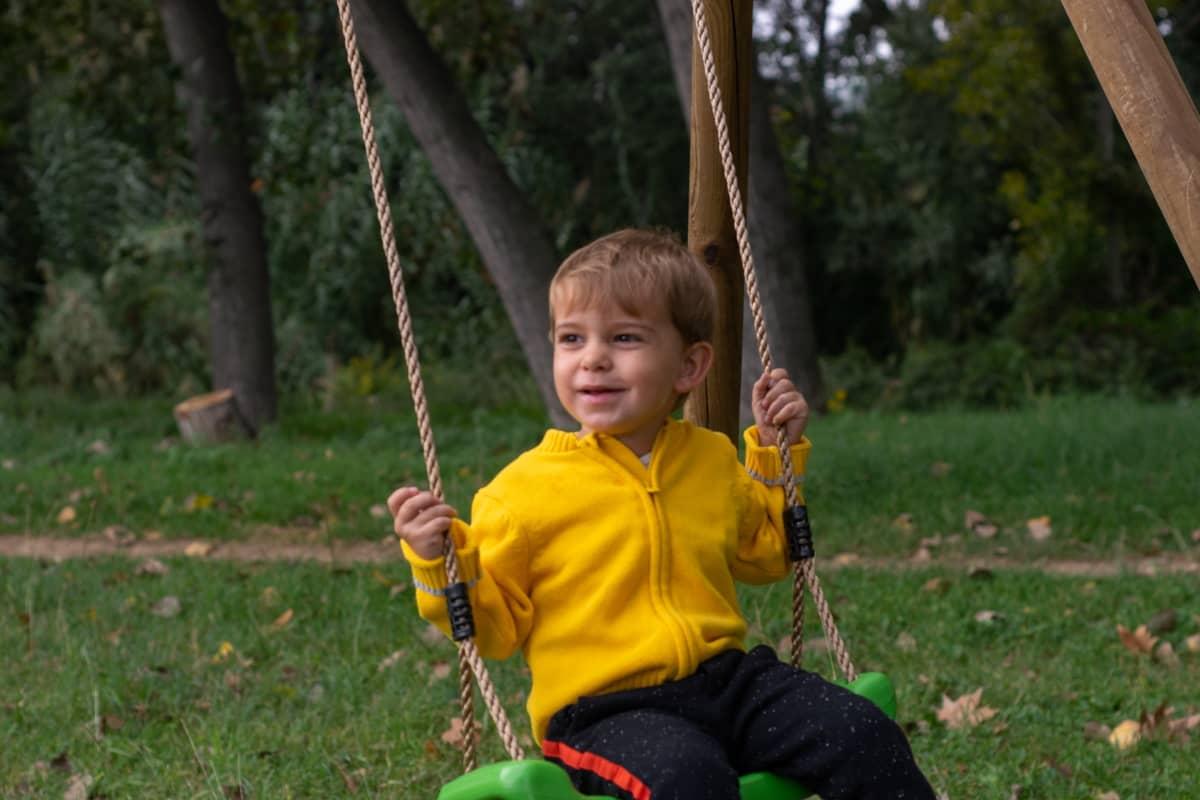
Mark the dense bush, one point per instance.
(1123, 353)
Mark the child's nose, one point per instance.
(595, 356)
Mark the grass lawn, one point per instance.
(1114, 477)
(298, 680)
(348, 698)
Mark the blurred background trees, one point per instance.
(974, 228)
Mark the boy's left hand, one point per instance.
(777, 403)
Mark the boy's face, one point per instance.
(620, 373)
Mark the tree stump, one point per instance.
(212, 417)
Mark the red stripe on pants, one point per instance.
(608, 770)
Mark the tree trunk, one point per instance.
(776, 234)
(508, 233)
(241, 334)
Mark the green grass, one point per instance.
(150, 706)
(1116, 477)
(315, 473)
(290, 710)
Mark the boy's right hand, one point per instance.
(420, 519)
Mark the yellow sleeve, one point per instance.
(762, 552)
(493, 561)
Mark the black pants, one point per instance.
(739, 713)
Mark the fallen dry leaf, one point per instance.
(906, 642)
(66, 516)
(940, 469)
(965, 712)
(904, 523)
(455, 735)
(391, 660)
(347, 779)
(439, 672)
(1125, 735)
(198, 549)
(1039, 528)
(1138, 641)
(1192, 643)
(1180, 729)
(151, 566)
(979, 525)
(283, 620)
(936, 585)
(379, 511)
(433, 635)
(224, 651)
(99, 448)
(1108, 796)
(167, 607)
(78, 787)
(198, 501)
(1165, 654)
(987, 616)
(120, 535)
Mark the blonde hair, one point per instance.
(634, 267)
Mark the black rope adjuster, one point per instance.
(799, 534)
(458, 605)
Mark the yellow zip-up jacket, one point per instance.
(608, 574)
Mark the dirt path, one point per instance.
(356, 552)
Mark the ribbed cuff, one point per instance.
(763, 461)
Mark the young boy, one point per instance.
(609, 555)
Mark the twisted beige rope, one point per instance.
(469, 659)
(805, 571)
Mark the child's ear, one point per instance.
(697, 359)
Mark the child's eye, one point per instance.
(568, 338)
(626, 338)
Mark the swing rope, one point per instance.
(805, 570)
(469, 660)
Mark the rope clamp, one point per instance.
(799, 533)
(458, 604)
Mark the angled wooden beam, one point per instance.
(1150, 101)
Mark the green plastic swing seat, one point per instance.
(541, 780)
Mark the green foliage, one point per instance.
(138, 328)
(73, 337)
(965, 195)
(124, 298)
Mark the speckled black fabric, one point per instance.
(740, 713)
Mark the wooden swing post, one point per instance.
(711, 234)
(1149, 99)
